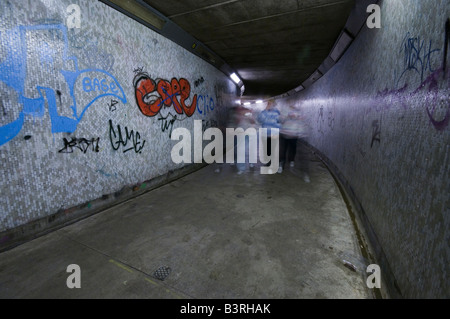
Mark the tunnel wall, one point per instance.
(380, 117)
(86, 111)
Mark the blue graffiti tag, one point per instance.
(417, 56)
(204, 105)
(13, 72)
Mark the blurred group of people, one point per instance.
(292, 128)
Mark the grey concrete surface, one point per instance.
(223, 235)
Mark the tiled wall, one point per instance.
(78, 119)
(381, 116)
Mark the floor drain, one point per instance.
(162, 272)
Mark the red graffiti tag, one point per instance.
(151, 96)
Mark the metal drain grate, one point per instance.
(162, 272)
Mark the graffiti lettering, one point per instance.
(417, 56)
(199, 81)
(151, 96)
(167, 124)
(80, 143)
(13, 72)
(118, 139)
(112, 105)
(78, 38)
(138, 70)
(99, 86)
(205, 105)
(96, 58)
(437, 105)
(433, 90)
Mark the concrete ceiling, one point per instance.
(273, 45)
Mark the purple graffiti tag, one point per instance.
(432, 99)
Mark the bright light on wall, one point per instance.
(235, 78)
(247, 103)
(259, 101)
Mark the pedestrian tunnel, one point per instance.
(123, 126)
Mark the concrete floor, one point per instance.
(221, 234)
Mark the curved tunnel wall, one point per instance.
(380, 116)
(73, 137)
(86, 110)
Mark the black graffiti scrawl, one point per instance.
(125, 139)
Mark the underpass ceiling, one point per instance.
(273, 45)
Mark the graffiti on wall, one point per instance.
(112, 105)
(221, 91)
(81, 144)
(432, 91)
(376, 132)
(331, 120)
(155, 95)
(437, 103)
(167, 123)
(321, 120)
(199, 81)
(151, 95)
(84, 86)
(94, 57)
(417, 54)
(205, 104)
(125, 139)
(434, 87)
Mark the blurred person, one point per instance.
(293, 129)
(270, 119)
(288, 138)
(240, 119)
(245, 121)
(231, 119)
